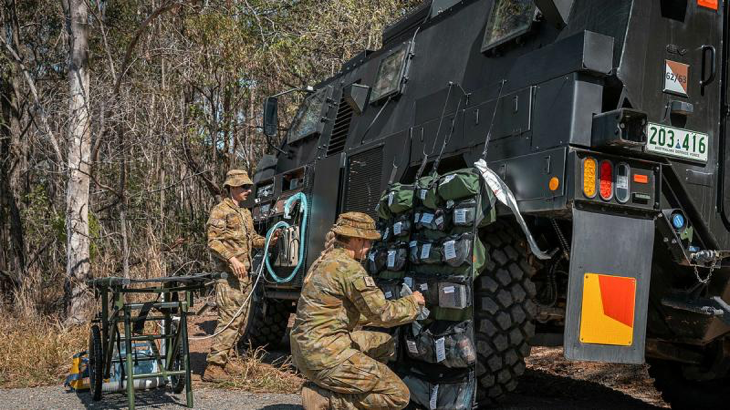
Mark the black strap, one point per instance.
(494, 113)
(406, 155)
(375, 119)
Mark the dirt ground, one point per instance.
(551, 381)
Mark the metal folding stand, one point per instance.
(172, 302)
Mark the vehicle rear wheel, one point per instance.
(504, 311)
(96, 363)
(266, 324)
(683, 393)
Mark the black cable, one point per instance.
(494, 113)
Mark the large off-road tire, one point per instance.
(682, 393)
(266, 324)
(504, 311)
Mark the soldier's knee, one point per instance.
(400, 395)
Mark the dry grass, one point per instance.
(261, 377)
(36, 352)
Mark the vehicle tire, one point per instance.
(96, 363)
(266, 324)
(504, 312)
(682, 393)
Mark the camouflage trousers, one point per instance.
(363, 381)
(230, 293)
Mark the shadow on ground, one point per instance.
(147, 399)
(541, 390)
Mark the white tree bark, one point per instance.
(79, 154)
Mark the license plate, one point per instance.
(677, 142)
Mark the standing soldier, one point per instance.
(231, 237)
(345, 366)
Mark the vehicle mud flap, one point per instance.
(608, 289)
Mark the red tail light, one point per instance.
(605, 188)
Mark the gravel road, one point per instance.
(56, 397)
(551, 382)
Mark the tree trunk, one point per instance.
(79, 154)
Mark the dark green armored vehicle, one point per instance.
(607, 120)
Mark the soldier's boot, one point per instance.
(215, 373)
(315, 397)
(234, 369)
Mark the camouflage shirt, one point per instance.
(231, 233)
(336, 298)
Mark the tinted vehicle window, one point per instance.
(389, 75)
(307, 120)
(509, 19)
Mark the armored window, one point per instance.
(509, 19)
(391, 71)
(309, 118)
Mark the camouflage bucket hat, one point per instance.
(356, 225)
(237, 177)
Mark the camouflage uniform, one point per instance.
(231, 233)
(338, 296)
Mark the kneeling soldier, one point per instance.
(344, 365)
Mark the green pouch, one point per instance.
(399, 198)
(459, 184)
(453, 315)
(427, 192)
(381, 209)
(391, 275)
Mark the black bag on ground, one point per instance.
(450, 395)
(445, 343)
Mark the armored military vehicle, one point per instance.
(606, 118)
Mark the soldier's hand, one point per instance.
(274, 237)
(237, 267)
(419, 298)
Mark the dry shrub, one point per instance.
(35, 351)
(261, 377)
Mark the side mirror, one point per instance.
(271, 116)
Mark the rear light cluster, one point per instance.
(608, 180)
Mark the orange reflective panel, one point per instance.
(607, 314)
(710, 4)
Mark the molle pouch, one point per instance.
(402, 226)
(445, 343)
(429, 253)
(458, 249)
(397, 199)
(413, 254)
(451, 395)
(454, 294)
(376, 260)
(426, 191)
(459, 184)
(465, 212)
(436, 220)
(381, 209)
(390, 288)
(397, 256)
(428, 287)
